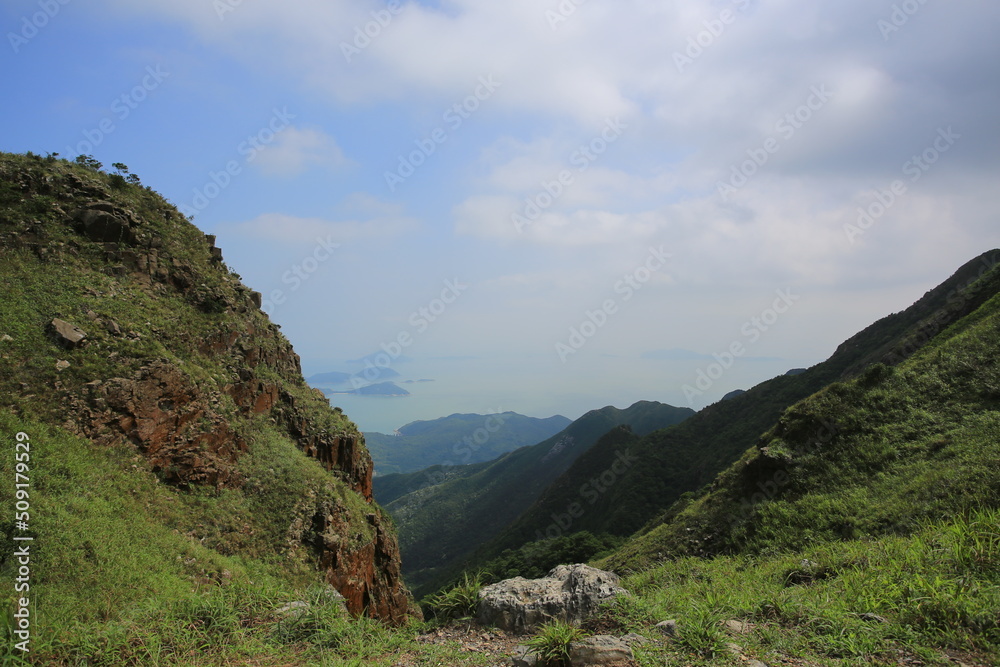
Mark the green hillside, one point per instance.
(451, 511)
(458, 439)
(882, 454)
(683, 459)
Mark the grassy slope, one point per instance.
(874, 455)
(934, 597)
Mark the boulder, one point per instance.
(570, 593)
(68, 335)
(524, 657)
(668, 627)
(105, 223)
(599, 650)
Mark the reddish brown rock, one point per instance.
(165, 415)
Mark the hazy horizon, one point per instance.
(546, 208)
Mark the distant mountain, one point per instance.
(330, 379)
(336, 378)
(446, 512)
(457, 440)
(379, 389)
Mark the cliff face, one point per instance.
(133, 330)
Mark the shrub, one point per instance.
(460, 601)
(551, 644)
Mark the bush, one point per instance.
(460, 601)
(551, 644)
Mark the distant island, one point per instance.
(380, 389)
(337, 378)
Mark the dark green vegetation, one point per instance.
(456, 440)
(445, 512)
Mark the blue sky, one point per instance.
(555, 148)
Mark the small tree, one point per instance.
(89, 161)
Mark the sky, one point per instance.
(541, 206)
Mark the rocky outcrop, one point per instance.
(367, 574)
(169, 419)
(570, 593)
(600, 651)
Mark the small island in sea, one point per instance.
(379, 389)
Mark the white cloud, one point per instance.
(282, 228)
(294, 150)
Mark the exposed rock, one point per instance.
(163, 413)
(570, 593)
(599, 650)
(737, 627)
(5, 338)
(106, 223)
(330, 596)
(669, 627)
(524, 657)
(872, 618)
(68, 335)
(367, 575)
(113, 328)
(293, 609)
(62, 365)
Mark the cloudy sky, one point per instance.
(543, 206)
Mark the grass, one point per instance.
(551, 643)
(127, 571)
(852, 602)
(460, 601)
